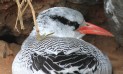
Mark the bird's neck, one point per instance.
(72, 35)
(58, 32)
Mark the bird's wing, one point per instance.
(71, 58)
(64, 55)
(61, 63)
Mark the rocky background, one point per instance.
(11, 40)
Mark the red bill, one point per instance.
(93, 29)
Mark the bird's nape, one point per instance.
(93, 29)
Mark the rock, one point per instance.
(5, 4)
(2, 22)
(8, 14)
(4, 49)
(15, 48)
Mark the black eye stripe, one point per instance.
(65, 21)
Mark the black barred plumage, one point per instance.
(61, 53)
(61, 61)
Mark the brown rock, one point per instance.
(15, 48)
(4, 49)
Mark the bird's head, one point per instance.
(66, 22)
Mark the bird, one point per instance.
(114, 13)
(62, 52)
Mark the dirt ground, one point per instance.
(106, 44)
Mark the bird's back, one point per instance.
(55, 55)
